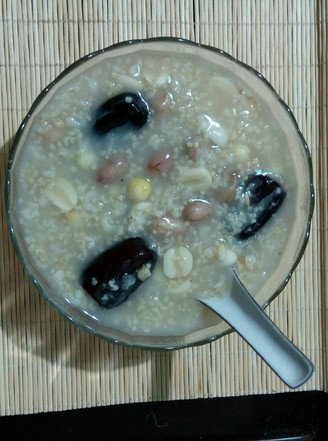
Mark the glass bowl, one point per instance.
(252, 86)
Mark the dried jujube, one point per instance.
(127, 107)
(259, 187)
(117, 272)
(265, 197)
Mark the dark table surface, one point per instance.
(287, 416)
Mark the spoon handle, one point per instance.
(243, 314)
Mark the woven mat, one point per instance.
(46, 364)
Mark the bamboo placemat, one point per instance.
(45, 363)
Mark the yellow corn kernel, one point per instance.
(139, 189)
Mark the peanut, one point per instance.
(161, 162)
(197, 211)
(168, 225)
(112, 169)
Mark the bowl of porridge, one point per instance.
(141, 175)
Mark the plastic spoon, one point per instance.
(245, 316)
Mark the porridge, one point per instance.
(143, 180)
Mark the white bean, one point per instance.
(227, 256)
(61, 193)
(213, 130)
(177, 262)
(199, 178)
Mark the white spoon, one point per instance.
(245, 316)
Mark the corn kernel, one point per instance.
(139, 189)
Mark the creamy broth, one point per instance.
(180, 186)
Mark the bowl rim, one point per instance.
(40, 97)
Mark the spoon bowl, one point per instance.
(64, 209)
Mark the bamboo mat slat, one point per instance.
(45, 363)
